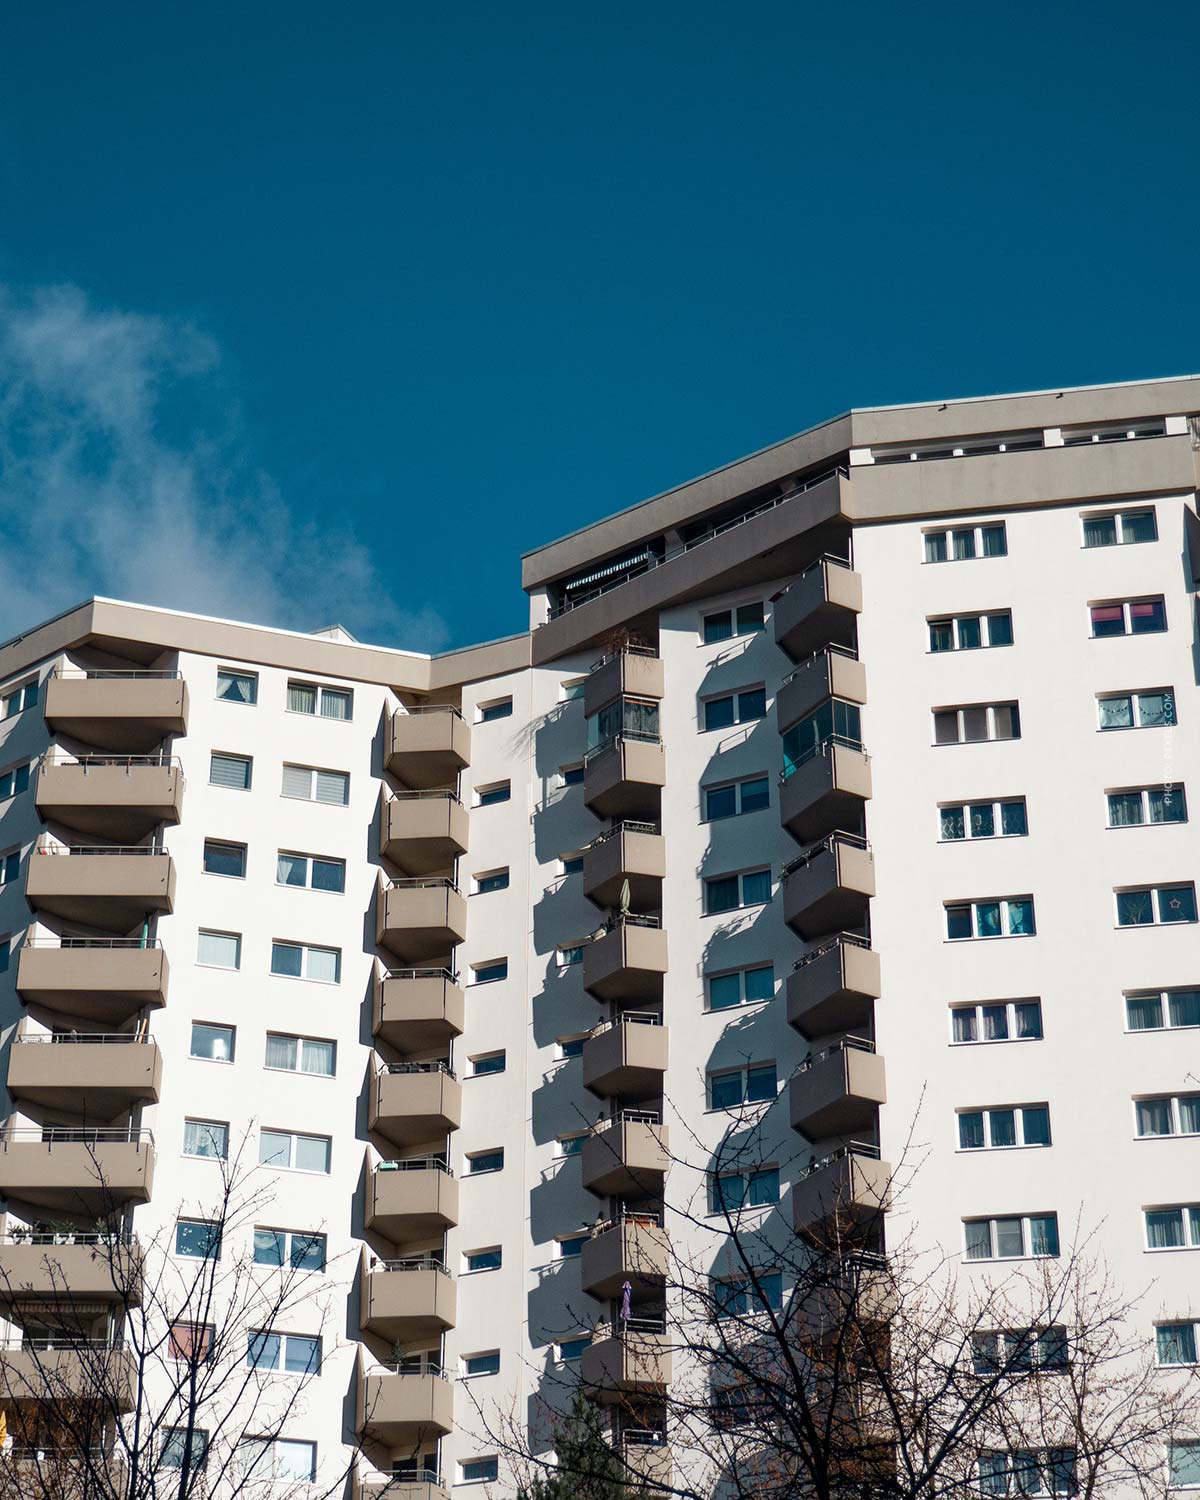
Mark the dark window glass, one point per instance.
(720, 802)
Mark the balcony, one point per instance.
(647, 1458)
(403, 1405)
(33, 1372)
(624, 777)
(104, 981)
(633, 1248)
(831, 672)
(627, 1157)
(636, 672)
(634, 1361)
(415, 1102)
(628, 962)
(834, 988)
(412, 1199)
(633, 852)
(81, 1170)
(429, 745)
(423, 831)
(112, 887)
(38, 1270)
(826, 789)
(426, 1484)
(829, 888)
(409, 1299)
(838, 1090)
(123, 798)
(129, 711)
(420, 919)
(417, 1010)
(842, 1194)
(96, 1076)
(819, 608)
(627, 1057)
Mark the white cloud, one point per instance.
(124, 471)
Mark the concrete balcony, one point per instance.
(842, 1195)
(829, 888)
(423, 831)
(42, 1270)
(633, 852)
(96, 1077)
(832, 672)
(32, 1374)
(429, 1487)
(408, 1299)
(101, 980)
(82, 1171)
(119, 798)
(417, 1010)
(420, 919)
(636, 673)
(861, 1294)
(428, 746)
(414, 1102)
(636, 1248)
(625, 777)
(403, 1406)
(628, 962)
(838, 1091)
(648, 1459)
(834, 988)
(116, 710)
(636, 1361)
(110, 887)
(827, 790)
(627, 1157)
(628, 1058)
(820, 608)
(415, 1199)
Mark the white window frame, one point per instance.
(1120, 517)
(478, 1057)
(293, 1136)
(741, 973)
(203, 963)
(1026, 1239)
(738, 811)
(1164, 1000)
(1190, 1213)
(489, 787)
(306, 949)
(25, 694)
(483, 1458)
(469, 1270)
(290, 1235)
(246, 760)
(562, 1041)
(1156, 892)
(214, 1026)
(1135, 697)
(997, 820)
(482, 875)
(488, 1354)
(482, 710)
(1174, 1101)
(1018, 1113)
(740, 877)
(224, 844)
(309, 859)
(1004, 902)
(733, 611)
(1176, 789)
(984, 619)
(572, 1135)
(313, 773)
(9, 778)
(251, 677)
(1178, 1364)
(947, 532)
(205, 1125)
(319, 689)
(743, 1071)
(283, 1338)
(473, 1156)
(490, 963)
(1010, 1009)
(991, 738)
(583, 1338)
(575, 856)
(571, 689)
(1125, 605)
(301, 1043)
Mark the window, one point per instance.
(1129, 617)
(300, 961)
(10, 866)
(729, 1191)
(726, 623)
(572, 689)
(286, 1247)
(480, 1470)
(1160, 1010)
(277, 1458)
(995, 1129)
(175, 1448)
(294, 1152)
(975, 722)
(1167, 1114)
(290, 1353)
(983, 820)
(493, 880)
(224, 859)
(191, 1341)
(971, 632)
(1147, 906)
(1020, 1349)
(571, 864)
(1146, 804)
(14, 781)
(634, 718)
(308, 784)
(237, 687)
(736, 797)
(571, 1046)
(1011, 917)
(749, 1085)
(484, 1260)
(1183, 1462)
(571, 1145)
(1017, 1238)
(573, 1348)
(489, 972)
(206, 1138)
(5, 953)
(1174, 1228)
(300, 1054)
(1175, 1343)
(735, 708)
(1028, 1471)
(488, 796)
(231, 771)
(741, 987)
(1119, 528)
(570, 1246)
(965, 542)
(1001, 1021)
(482, 1364)
(219, 950)
(569, 956)
(212, 1043)
(837, 722)
(485, 1161)
(729, 892)
(198, 1239)
(487, 1062)
(1149, 710)
(310, 872)
(572, 775)
(500, 708)
(315, 698)
(18, 699)
(738, 1296)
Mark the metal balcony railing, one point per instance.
(630, 919)
(126, 762)
(91, 851)
(427, 1262)
(626, 825)
(89, 1038)
(107, 674)
(630, 650)
(826, 846)
(850, 939)
(817, 563)
(845, 1044)
(416, 883)
(411, 1366)
(439, 973)
(866, 1149)
(821, 747)
(411, 794)
(432, 708)
(416, 1164)
(72, 941)
(627, 1018)
(420, 1067)
(52, 1135)
(831, 649)
(640, 736)
(65, 1237)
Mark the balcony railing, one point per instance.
(433, 708)
(818, 562)
(867, 1149)
(449, 975)
(639, 736)
(630, 650)
(122, 762)
(626, 825)
(65, 1237)
(839, 939)
(410, 1366)
(821, 747)
(631, 919)
(416, 1164)
(94, 942)
(826, 846)
(428, 1262)
(846, 1044)
(87, 1038)
(111, 674)
(651, 1217)
(627, 1018)
(416, 883)
(420, 1067)
(89, 1135)
(832, 649)
(91, 851)
(628, 1117)
(445, 793)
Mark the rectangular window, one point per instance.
(996, 1129)
(489, 1259)
(572, 689)
(741, 987)
(1027, 1471)
(490, 971)
(1175, 1228)
(10, 867)
(754, 1084)
(300, 1054)
(572, 775)
(294, 1152)
(1129, 617)
(1002, 1021)
(501, 708)
(1119, 528)
(1160, 1010)
(206, 1138)
(1020, 1349)
(836, 722)
(631, 718)
(237, 687)
(1032, 1236)
(485, 1161)
(1009, 917)
(571, 1046)
(287, 1353)
(1153, 709)
(1167, 1114)
(1175, 1343)
(571, 864)
(976, 722)
(983, 820)
(18, 699)
(971, 632)
(573, 1348)
(230, 771)
(481, 1471)
(175, 1448)
(965, 542)
(1147, 804)
(1151, 906)
(308, 784)
(1183, 1463)
(315, 698)
(14, 781)
(219, 950)
(482, 1364)
(569, 956)
(736, 797)
(212, 1043)
(726, 623)
(191, 1341)
(224, 859)
(493, 880)
(730, 892)
(730, 1191)
(739, 1297)
(300, 961)
(276, 1458)
(286, 1247)
(570, 1246)
(742, 707)
(488, 796)
(198, 1239)
(310, 872)
(570, 1145)
(5, 954)
(487, 1062)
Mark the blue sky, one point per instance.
(301, 301)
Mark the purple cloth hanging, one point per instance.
(626, 1299)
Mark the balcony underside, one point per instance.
(407, 1205)
(95, 1081)
(75, 1177)
(121, 803)
(105, 986)
(108, 893)
(129, 715)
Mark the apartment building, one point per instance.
(850, 781)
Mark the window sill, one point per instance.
(1153, 926)
(221, 1062)
(996, 937)
(312, 801)
(220, 875)
(741, 1005)
(284, 885)
(985, 838)
(970, 650)
(1003, 1260)
(996, 1041)
(1175, 1135)
(221, 968)
(480, 1271)
(990, 1150)
(296, 1072)
(304, 979)
(299, 713)
(483, 1172)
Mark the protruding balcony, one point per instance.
(407, 1300)
(130, 711)
(113, 797)
(820, 607)
(416, 1010)
(405, 1404)
(77, 1170)
(96, 1076)
(826, 789)
(627, 1057)
(627, 1157)
(831, 672)
(838, 1091)
(647, 1457)
(418, 1482)
(33, 1372)
(412, 1199)
(842, 1194)
(423, 831)
(420, 919)
(42, 1269)
(101, 980)
(633, 852)
(834, 987)
(633, 1361)
(624, 777)
(628, 962)
(415, 1102)
(828, 889)
(633, 1248)
(428, 745)
(112, 887)
(635, 672)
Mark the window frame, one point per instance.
(495, 1153)
(736, 629)
(319, 691)
(1168, 790)
(293, 1136)
(1010, 1020)
(976, 530)
(235, 674)
(1156, 894)
(213, 1026)
(14, 779)
(982, 618)
(743, 1072)
(494, 710)
(1004, 903)
(738, 787)
(231, 756)
(1189, 1214)
(1174, 1103)
(242, 849)
(290, 1238)
(1134, 697)
(478, 1057)
(743, 999)
(1165, 1009)
(734, 698)
(311, 861)
(492, 963)
(990, 710)
(501, 874)
(1125, 606)
(492, 794)
(217, 1239)
(282, 1340)
(997, 805)
(477, 1254)
(313, 772)
(305, 950)
(740, 876)
(1018, 1112)
(1119, 519)
(203, 963)
(1026, 1222)
(218, 1131)
(301, 1039)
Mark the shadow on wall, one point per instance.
(562, 1007)
(563, 916)
(562, 824)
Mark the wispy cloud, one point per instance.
(124, 470)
